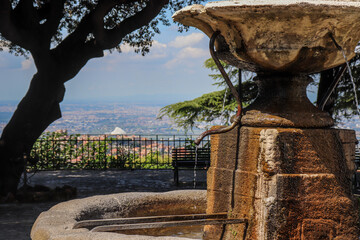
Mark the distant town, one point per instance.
(104, 118)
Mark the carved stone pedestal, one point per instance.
(291, 179)
(289, 183)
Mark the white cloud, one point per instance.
(190, 52)
(126, 48)
(26, 64)
(185, 41)
(151, 55)
(156, 45)
(171, 63)
(185, 54)
(158, 50)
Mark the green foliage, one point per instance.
(41, 12)
(211, 106)
(345, 106)
(53, 148)
(206, 108)
(152, 161)
(190, 143)
(231, 71)
(58, 150)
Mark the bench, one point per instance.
(184, 158)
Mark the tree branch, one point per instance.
(98, 15)
(98, 18)
(54, 15)
(5, 13)
(21, 25)
(87, 23)
(5, 8)
(8, 28)
(75, 58)
(25, 15)
(74, 51)
(95, 19)
(113, 37)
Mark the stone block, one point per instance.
(347, 135)
(309, 187)
(313, 229)
(248, 149)
(286, 179)
(243, 207)
(212, 232)
(245, 183)
(218, 202)
(220, 179)
(223, 149)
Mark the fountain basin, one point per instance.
(279, 36)
(57, 223)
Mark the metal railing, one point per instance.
(62, 151)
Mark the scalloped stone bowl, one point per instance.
(282, 36)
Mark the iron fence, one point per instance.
(62, 151)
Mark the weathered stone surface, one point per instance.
(221, 181)
(282, 102)
(284, 36)
(349, 141)
(222, 146)
(218, 202)
(297, 185)
(57, 223)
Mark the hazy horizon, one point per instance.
(102, 117)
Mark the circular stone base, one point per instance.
(57, 223)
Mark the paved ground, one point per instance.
(16, 219)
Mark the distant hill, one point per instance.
(100, 118)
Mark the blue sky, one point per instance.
(173, 71)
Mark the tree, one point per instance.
(343, 102)
(212, 106)
(62, 36)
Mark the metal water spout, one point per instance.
(337, 79)
(237, 118)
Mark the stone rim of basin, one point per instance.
(283, 36)
(57, 223)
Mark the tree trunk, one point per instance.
(36, 111)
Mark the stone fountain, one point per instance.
(285, 169)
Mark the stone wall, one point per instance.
(290, 183)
